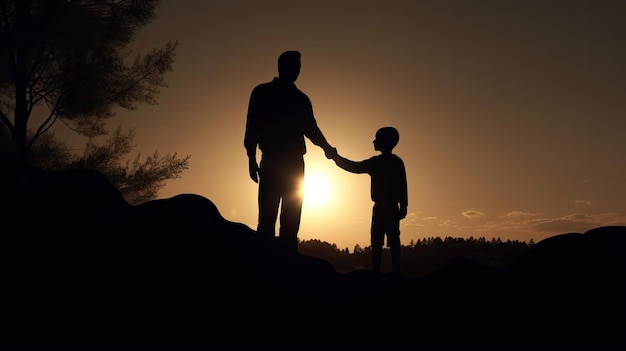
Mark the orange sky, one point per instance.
(511, 113)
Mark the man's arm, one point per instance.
(312, 130)
(317, 137)
(253, 169)
(251, 137)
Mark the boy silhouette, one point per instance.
(388, 192)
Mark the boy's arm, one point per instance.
(331, 153)
(349, 165)
(404, 199)
(403, 211)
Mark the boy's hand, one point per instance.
(403, 211)
(331, 153)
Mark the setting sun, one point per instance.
(316, 189)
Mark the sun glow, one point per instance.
(316, 190)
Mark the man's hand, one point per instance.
(403, 211)
(331, 153)
(253, 168)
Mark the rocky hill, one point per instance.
(83, 269)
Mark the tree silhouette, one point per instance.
(67, 61)
(357, 248)
(423, 256)
(137, 181)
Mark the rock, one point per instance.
(81, 268)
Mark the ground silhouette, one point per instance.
(83, 269)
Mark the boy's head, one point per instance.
(386, 139)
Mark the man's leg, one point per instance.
(290, 216)
(291, 208)
(269, 199)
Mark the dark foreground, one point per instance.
(82, 269)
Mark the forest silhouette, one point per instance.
(422, 256)
(83, 269)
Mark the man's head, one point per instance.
(289, 65)
(386, 139)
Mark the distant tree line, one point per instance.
(422, 256)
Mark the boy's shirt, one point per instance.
(387, 174)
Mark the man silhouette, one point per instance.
(279, 117)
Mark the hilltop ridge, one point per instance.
(81, 268)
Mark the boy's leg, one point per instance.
(393, 241)
(377, 254)
(377, 238)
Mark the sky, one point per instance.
(511, 113)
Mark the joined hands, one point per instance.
(331, 153)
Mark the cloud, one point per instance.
(582, 202)
(447, 223)
(576, 222)
(411, 219)
(520, 225)
(566, 224)
(529, 225)
(472, 214)
(521, 214)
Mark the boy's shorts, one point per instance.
(385, 222)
